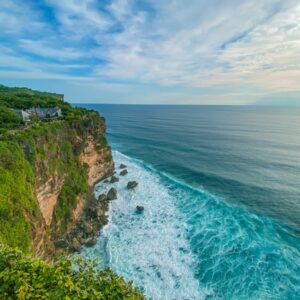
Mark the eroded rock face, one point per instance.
(93, 218)
(99, 165)
(96, 160)
(47, 195)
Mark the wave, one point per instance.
(189, 244)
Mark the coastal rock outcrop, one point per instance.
(131, 185)
(112, 194)
(88, 228)
(98, 166)
(140, 208)
(90, 242)
(124, 172)
(114, 179)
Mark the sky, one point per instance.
(154, 51)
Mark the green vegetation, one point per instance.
(8, 119)
(22, 277)
(16, 197)
(34, 153)
(29, 155)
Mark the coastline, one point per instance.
(161, 250)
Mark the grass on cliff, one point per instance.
(23, 277)
(30, 155)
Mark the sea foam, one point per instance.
(151, 248)
(188, 244)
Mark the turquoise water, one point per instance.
(220, 187)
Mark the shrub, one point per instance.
(23, 277)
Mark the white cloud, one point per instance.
(17, 18)
(183, 46)
(198, 44)
(52, 50)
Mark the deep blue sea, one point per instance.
(221, 191)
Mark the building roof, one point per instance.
(44, 111)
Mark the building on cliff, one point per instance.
(23, 114)
(39, 112)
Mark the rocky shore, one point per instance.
(93, 217)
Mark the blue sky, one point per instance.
(160, 52)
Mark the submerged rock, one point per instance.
(122, 166)
(112, 194)
(140, 208)
(106, 181)
(114, 179)
(131, 184)
(123, 172)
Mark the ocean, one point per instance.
(221, 190)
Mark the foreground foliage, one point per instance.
(23, 277)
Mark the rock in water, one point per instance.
(90, 242)
(140, 208)
(123, 172)
(131, 184)
(102, 197)
(112, 194)
(122, 166)
(114, 179)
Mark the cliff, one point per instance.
(47, 172)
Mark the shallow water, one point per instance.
(221, 202)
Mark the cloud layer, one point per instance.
(217, 50)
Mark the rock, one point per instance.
(114, 179)
(75, 245)
(112, 194)
(123, 172)
(106, 181)
(91, 212)
(131, 184)
(122, 166)
(140, 208)
(90, 242)
(62, 244)
(88, 228)
(102, 197)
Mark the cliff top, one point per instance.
(12, 98)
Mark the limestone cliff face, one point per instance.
(98, 167)
(47, 170)
(96, 160)
(47, 195)
(72, 165)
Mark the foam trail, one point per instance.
(188, 244)
(150, 249)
